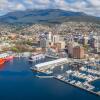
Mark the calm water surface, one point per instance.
(17, 82)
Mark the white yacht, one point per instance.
(37, 57)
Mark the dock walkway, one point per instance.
(95, 93)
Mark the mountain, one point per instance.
(47, 16)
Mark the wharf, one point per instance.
(44, 76)
(49, 56)
(94, 80)
(95, 93)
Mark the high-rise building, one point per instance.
(75, 50)
(97, 43)
(78, 52)
(43, 43)
(55, 39)
(86, 38)
(49, 37)
(70, 48)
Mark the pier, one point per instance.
(95, 93)
(94, 80)
(44, 76)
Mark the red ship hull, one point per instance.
(2, 61)
(9, 58)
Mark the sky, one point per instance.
(91, 7)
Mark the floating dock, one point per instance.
(95, 93)
(44, 76)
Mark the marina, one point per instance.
(77, 85)
(77, 76)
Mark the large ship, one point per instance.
(2, 61)
(6, 57)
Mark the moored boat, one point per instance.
(2, 61)
(9, 58)
(6, 56)
(37, 57)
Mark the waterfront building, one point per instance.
(60, 45)
(70, 48)
(50, 64)
(78, 52)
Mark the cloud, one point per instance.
(20, 7)
(95, 3)
(91, 7)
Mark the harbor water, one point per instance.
(17, 82)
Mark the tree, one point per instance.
(15, 49)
